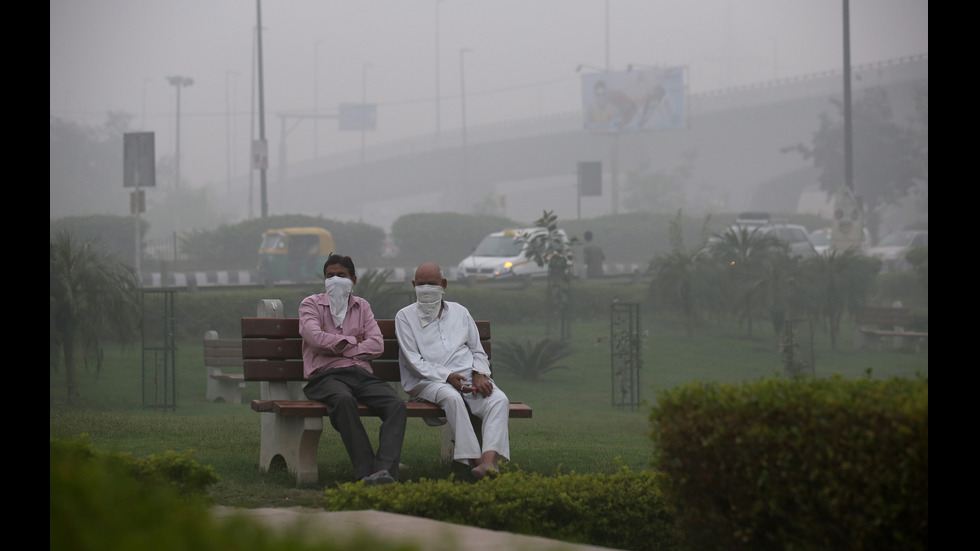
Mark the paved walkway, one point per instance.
(430, 535)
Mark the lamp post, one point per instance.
(464, 185)
(364, 67)
(263, 203)
(228, 133)
(848, 153)
(316, 120)
(438, 94)
(178, 82)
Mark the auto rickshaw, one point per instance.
(294, 254)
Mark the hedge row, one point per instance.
(624, 510)
(201, 311)
(797, 464)
(114, 502)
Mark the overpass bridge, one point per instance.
(736, 135)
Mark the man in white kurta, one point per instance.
(442, 361)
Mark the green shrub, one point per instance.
(625, 510)
(176, 470)
(529, 360)
(114, 502)
(797, 464)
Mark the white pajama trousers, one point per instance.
(494, 410)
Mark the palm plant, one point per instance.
(748, 254)
(530, 360)
(92, 295)
(842, 281)
(372, 286)
(677, 275)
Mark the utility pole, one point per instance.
(262, 182)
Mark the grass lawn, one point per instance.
(575, 426)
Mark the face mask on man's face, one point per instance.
(429, 299)
(338, 291)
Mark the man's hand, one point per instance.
(456, 380)
(482, 384)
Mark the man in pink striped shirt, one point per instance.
(340, 338)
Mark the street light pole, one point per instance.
(364, 67)
(464, 184)
(438, 93)
(264, 168)
(178, 82)
(228, 132)
(316, 120)
(848, 160)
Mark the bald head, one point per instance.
(429, 273)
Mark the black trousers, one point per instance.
(340, 389)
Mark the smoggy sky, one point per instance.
(115, 55)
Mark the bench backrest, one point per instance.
(884, 316)
(222, 352)
(272, 349)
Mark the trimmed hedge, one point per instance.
(797, 464)
(625, 510)
(115, 502)
(222, 311)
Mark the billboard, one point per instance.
(357, 116)
(634, 101)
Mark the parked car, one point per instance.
(820, 239)
(501, 256)
(892, 249)
(793, 235)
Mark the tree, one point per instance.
(749, 255)
(839, 281)
(659, 190)
(676, 275)
(553, 248)
(92, 295)
(889, 160)
(86, 167)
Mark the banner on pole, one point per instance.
(138, 160)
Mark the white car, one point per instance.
(500, 256)
(892, 249)
(793, 235)
(821, 239)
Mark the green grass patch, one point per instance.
(575, 427)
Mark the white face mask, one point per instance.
(429, 301)
(338, 291)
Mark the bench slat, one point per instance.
(269, 327)
(223, 362)
(272, 349)
(884, 315)
(224, 352)
(310, 408)
(275, 371)
(223, 343)
(388, 328)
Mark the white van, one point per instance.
(499, 256)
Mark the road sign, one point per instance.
(358, 116)
(590, 178)
(138, 160)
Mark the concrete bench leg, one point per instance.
(221, 389)
(296, 440)
(448, 444)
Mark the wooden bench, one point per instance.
(874, 324)
(218, 354)
(291, 424)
